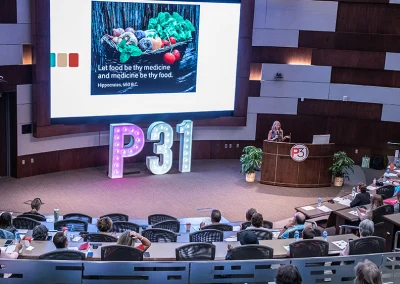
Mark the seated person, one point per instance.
(35, 206)
(257, 221)
(104, 225)
(13, 255)
(297, 223)
(362, 197)
(60, 240)
(367, 273)
(215, 218)
(309, 233)
(246, 238)
(288, 274)
(40, 233)
(377, 201)
(249, 214)
(366, 230)
(128, 238)
(6, 222)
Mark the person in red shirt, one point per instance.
(129, 238)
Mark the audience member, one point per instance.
(367, 273)
(309, 233)
(35, 206)
(60, 240)
(396, 205)
(288, 274)
(249, 214)
(257, 221)
(377, 201)
(246, 238)
(297, 223)
(366, 229)
(13, 255)
(104, 225)
(128, 238)
(215, 218)
(362, 197)
(6, 222)
(39, 233)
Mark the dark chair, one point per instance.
(159, 236)
(63, 254)
(220, 227)
(252, 252)
(262, 234)
(266, 224)
(207, 236)
(25, 223)
(378, 213)
(291, 233)
(367, 245)
(157, 218)
(78, 216)
(309, 248)
(94, 237)
(386, 191)
(171, 225)
(36, 217)
(116, 217)
(121, 253)
(195, 251)
(79, 225)
(122, 226)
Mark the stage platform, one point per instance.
(211, 184)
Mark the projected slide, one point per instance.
(143, 57)
(147, 48)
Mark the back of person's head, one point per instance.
(300, 218)
(5, 220)
(104, 224)
(35, 205)
(362, 187)
(309, 233)
(248, 238)
(39, 233)
(288, 274)
(60, 240)
(257, 220)
(377, 201)
(250, 213)
(215, 216)
(125, 239)
(367, 273)
(366, 228)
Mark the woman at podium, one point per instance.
(276, 133)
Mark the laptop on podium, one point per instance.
(321, 139)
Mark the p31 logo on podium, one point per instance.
(299, 152)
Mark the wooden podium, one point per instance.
(278, 168)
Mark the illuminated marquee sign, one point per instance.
(158, 131)
(299, 152)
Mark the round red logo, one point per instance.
(299, 152)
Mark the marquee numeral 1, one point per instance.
(185, 129)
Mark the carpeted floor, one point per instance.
(211, 184)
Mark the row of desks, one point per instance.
(166, 251)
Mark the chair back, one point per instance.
(4, 234)
(262, 234)
(157, 218)
(291, 233)
(378, 213)
(63, 254)
(94, 237)
(266, 224)
(116, 217)
(206, 236)
(386, 191)
(252, 252)
(122, 226)
(26, 223)
(171, 225)
(159, 235)
(36, 217)
(309, 248)
(220, 227)
(78, 216)
(195, 251)
(367, 245)
(79, 225)
(121, 253)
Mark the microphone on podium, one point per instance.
(290, 137)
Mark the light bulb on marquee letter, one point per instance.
(162, 148)
(185, 149)
(118, 151)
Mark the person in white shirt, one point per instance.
(13, 255)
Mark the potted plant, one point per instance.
(341, 163)
(251, 162)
